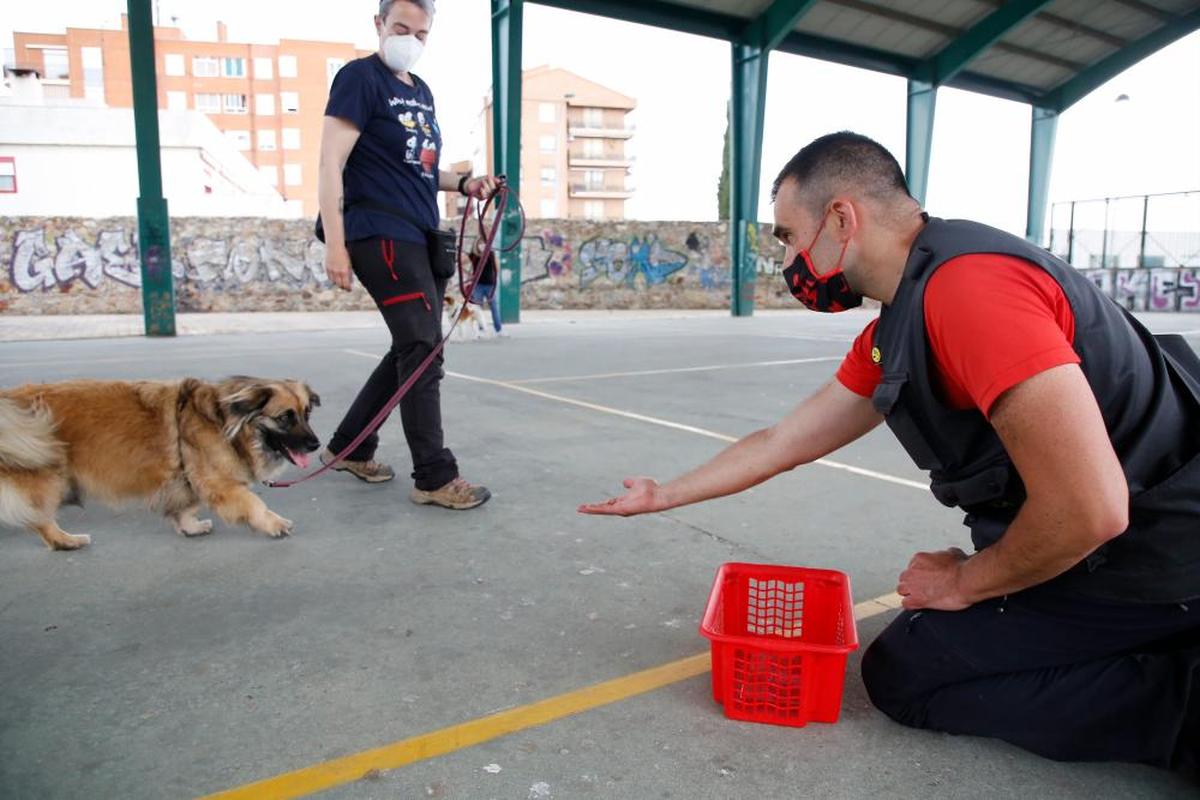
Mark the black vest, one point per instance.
(1148, 390)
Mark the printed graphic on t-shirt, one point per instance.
(420, 147)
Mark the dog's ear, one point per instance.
(247, 400)
(314, 399)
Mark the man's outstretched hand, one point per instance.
(644, 496)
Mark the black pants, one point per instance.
(398, 277)
(1067, 678)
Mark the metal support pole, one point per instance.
(1071, 237)
(922, 104)
(154, 224)
(748, 104)
(1104, 239)
(1145, 219)
(507, 17)
(1042, 129)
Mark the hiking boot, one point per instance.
(457, 494)
(369, 471)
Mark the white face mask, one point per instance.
(400, 53)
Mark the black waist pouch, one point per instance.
(442, 245)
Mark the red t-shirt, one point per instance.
(992, 321)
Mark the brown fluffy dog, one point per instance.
(172, 445)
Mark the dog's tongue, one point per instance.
(299, 459)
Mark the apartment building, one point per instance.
(574, 132)
(268, 100)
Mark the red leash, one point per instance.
(500, 199)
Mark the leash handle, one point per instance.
(468, 289)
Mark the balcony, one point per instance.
(587, 191)
(577, 161)
(577, 129)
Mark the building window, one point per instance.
(93, 73)
(287, 66)
(593, 118)
(208, 103)
(292, 175)
(173, 65)
(593, 179)
(236, 104)
(270, 174)
(546, 112)
(289, 102)
(177, 101)
(549, 209)
(56, 63)
(264, 105)
(593, 209)
(264, 69)
(205, 67)
(548, 176)
(233, 67)
(332, 66)
(593, 148)
(548, 144)
(239, 139)
(8, 175)
(266, 140)
(291, 138)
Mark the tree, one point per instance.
(723, 183)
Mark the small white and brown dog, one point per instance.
(471, 326)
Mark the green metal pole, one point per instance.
(748, 101)
(154, 225)
(922, 104)
(1041, 157)
(507, 18)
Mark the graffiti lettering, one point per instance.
(621, 262)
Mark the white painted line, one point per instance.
(676, 370)
(665, 423)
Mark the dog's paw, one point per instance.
(71, 541)
(194, 527)
(276, 526)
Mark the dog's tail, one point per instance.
(27, 437)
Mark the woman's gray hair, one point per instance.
(428, 6)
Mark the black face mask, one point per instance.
(826, 293)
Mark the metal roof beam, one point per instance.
(951, 32)
(1094, 76)
(659, 14)
(773, 25)
(954, 57)
(851, 55)
(1149, 10)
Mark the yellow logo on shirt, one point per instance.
(876, 355)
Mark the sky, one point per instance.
(1146, 144)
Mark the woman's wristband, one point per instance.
(462, 184)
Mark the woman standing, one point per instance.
(378, 186)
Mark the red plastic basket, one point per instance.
(780, 637)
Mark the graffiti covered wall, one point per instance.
(66, 266)
(1160, 289)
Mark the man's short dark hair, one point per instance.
(842, 160)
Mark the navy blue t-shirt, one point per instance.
(395, 160)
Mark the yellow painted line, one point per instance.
(347, 769)
(456, 737)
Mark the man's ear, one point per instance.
(844, 218)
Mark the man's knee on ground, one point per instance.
(892, 682)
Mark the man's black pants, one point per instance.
(1067, 678)
(398, 277)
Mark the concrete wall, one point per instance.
(1158, 289)
(70, 265)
